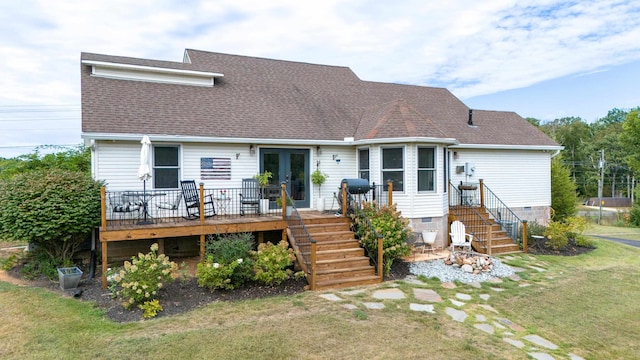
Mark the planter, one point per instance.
(289, 210)
(69, 277)
(320, 204)
(429, 236)
(264, 206)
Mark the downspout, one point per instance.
(555, 154)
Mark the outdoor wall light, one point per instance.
(318, 151)
(335, 156)
(237, 156)
(252, 149)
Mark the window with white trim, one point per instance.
(166, 167)
(393, 167)
(363, 163)
(426, 168)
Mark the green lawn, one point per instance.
(585, 304)
(619, 232)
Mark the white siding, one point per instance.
(518, 178)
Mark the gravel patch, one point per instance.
(450, 273)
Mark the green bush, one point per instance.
(272, 262)
(563, 191)
(556, 234)
(215, 275)
(634, 215)
(226, 249)
(138, 281)
(388, 223)
(52, 208)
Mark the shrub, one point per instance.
(139, 280)
(634, 215)
(388, 223)
(563, 191)
(556, 234)
(214, 275)
(227, 249)
(54, 209)
(150, 308)
(272, 262)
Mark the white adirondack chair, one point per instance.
(459, 238)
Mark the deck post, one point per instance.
(283, 197)
(314, 248)
(104, 264)
(489, 240)
(380, 257)
(201, 203)
(103, 207)
(343, 195)
(481, 193)
(202, 243)
(524, 236)
(390, 193)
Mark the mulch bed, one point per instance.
(181, 295)
(538, 246)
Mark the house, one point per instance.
(250, 114)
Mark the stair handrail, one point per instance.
(474, 225)
(303, 244)
(507, 218)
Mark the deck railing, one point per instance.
(140, 208)
(508, 220)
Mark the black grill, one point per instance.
(356, 186)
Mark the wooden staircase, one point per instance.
(475, 220)
(340, 261)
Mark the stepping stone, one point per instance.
(541, 356)
(465, 297)
(541, 342)
(550, 277)
(422, 307)
(353, 292)
(427, 295)
(457, 303)
(456, 315)
(575, 357)
(538, 269)
(475, 284)
(394, 285)
(498, 325)
(349, 306)
(524, 285)
(484, 297)
(516, 269)
(496, 289)
(373, 305)
(393, 294)
(448, 285)
(515, 277)
(488, 307)
(508, 257)
(484, 327)
(513, 326)
(517, 343)
(496, 281)
(413, 281)
(481, 318)
(331, 297)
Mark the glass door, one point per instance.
(292, 167)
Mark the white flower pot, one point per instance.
(264, 206)
(429, 236)
(320, 204)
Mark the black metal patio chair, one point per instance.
(191, 195)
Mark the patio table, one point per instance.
(143, 199)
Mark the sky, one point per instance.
(544, 59)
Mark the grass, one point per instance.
(619, 232)
(585, 304)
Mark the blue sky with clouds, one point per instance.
(544, 59)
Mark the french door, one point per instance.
(292, 167)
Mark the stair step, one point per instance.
(345, 263)
(330, 274)
(337, 244)
(332, 236)
(350, 282)
(330, 227)
(337, 253)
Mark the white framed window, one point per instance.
(393, 167)
(166, 166)
(363, 164)
(426, 169)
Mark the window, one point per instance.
(426, 168)
(393, 167)
(363, 163)
(166, 169)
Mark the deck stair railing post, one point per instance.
(304, 246)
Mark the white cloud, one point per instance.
(471, 47)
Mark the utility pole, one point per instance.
(600, 183)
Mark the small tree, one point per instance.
(563, 191)
(52, 208)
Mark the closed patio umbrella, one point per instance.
(144, 171)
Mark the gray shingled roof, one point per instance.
(275, 99)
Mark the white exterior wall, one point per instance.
(519, 178)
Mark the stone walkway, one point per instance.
(467, 305)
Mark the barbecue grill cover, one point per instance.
(357, 186)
